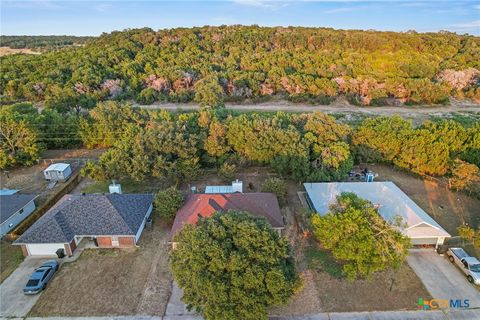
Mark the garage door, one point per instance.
(424, 241)
(44, 249)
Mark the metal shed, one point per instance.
(58, 172)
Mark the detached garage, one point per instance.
(112, 220)
(391, 202)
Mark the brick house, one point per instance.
(110, 220)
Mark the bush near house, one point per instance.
(278, 187)
(359, 237)
(167, 202)
(233, 266)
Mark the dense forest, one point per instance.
(41, 42)
(212, 65)
(177, 146)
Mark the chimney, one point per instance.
(237, 186)
(115, 188)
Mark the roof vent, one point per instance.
(115, 187)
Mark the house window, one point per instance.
(115, 242)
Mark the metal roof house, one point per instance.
(58, 172)
(391, 202)
(113, 220)
(14, 208)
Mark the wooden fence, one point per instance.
(69, 185)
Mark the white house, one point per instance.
(14, 208)
(58, 172)
(391, 202)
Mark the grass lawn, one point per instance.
(109, 282)
(319, 259)
(10, 258)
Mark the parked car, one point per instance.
(469, 265)
(40, 277)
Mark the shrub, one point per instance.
(167, 202)
(276, 186)
(227, 171)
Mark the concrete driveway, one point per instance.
(441, 278)
(13, 303)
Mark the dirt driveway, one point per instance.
(442, 279)
(340, 106)
(13, 303)
(113, 282)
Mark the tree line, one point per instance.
(213, 65)
(41, 42)
(304, 147)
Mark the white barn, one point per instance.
(391, 202)
(58, 172)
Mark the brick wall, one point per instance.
(24, 250)
(123, 242)
(126, 242)
(104, 242)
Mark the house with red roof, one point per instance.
(264, 205)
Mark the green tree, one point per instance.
(359, 237)
(278, 187)
(167, 202)
(19, 143)
(467, 233)
(465, 176)
(227, 171)
(233, 266)
(208, 92)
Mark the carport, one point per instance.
(441, 278)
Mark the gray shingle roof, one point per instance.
(89, 215)
(9, 204)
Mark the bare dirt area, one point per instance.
(340, 106)
(108, 282)
(450, 209)
(252, 178)
(4, 51)
(31, 179)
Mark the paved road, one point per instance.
(13, 303)
(383, 315)
(441, 278)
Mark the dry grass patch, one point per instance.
(112, 281)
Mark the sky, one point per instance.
(88, 17)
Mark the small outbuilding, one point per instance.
(391, 202)
(237, 186)
(14, 208)
(58, 172)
